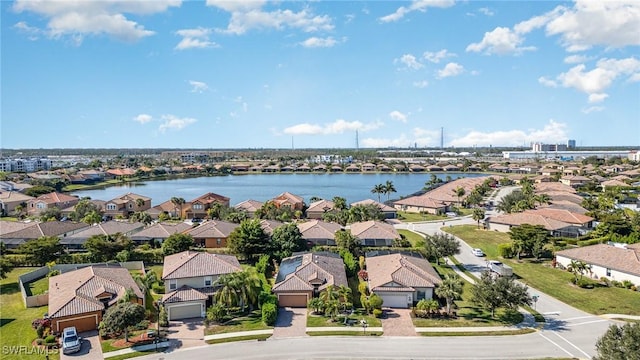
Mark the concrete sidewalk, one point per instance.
(130, 350)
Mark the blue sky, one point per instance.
(258, 74)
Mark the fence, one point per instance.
(43, 299)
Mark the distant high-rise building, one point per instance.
(540, 147)
(571, 144)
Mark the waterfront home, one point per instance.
(318, 208)
(288, 200)
(9, 200)
(249, 207)
(49, 201)
(212, 233)
(189, 279)
(374, 233)
(387, 211)
(198, 207)
(168, 208)
(318, 232)
(125, 205)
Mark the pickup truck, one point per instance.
(499, 268)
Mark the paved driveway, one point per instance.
(291, 322)
(186, 333)
(91, 349)
(397, 322)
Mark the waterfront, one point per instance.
(261, 187)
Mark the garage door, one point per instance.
(85, 323)
(394, 300)
(298, 300)
(178, 312)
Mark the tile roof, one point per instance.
(162, 230)
(287, 196)
(193, 264)
(75, 292)
(562, 215)
(321, 206)
(108, 228)
(250, 206)
(131, 196)
(608, 256)
(312, 266)
(55, 198)
(8, 227)
(210, 198)
(528, 217)
(407, 271)
(317, 229)
(565, 205)
(49, 228)
(373, 230)
(381, 206)
(14, 196)
(421, 201)
(269, 225)
(184, 293)
(553, 186)
(614, 183)
(212, 229)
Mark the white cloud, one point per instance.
(553, 132)
(421, 84)
(198, 86)
(419, 137)
(435, 57)
(547, 82)
(613, 24)
(592, 109)
(398, 116)
(575, 59)
(486, 11)
(337, 127)
(172, 122)
(143, 118)
(451, 69)
(197, 38)
(416, 5)
(33, 33)
(596, 98)
(316, 42)
(500, 41)
(409, 61)
(248, 15)
(77, 19)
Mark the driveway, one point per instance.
(186, 333)
(397, 322)
(291, 322)
(91, 349)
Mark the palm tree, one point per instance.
(178, 201)
(427, 307)
(129, 295)
(249, 287)
(345, 296)
(378, 189)
(330, 296)
(339, 203)
(389, 188)
(226, 293)
(316, 304)
(578, 268)
(450, 289)
(459, 191)
(478, 214)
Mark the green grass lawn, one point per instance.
(415, 217)
(15, 319)
(239, 338)
(322, 321)
(416, 240)
(554, 282)
(344, 333)
(38, 287)
(253, 321)
(107, 345)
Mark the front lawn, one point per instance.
(15, 319)
(554, 282)
(416, 217)
(416, 240)
(136, 337)
(352, 319)
(253, 321)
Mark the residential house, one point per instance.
(302, 277)
(9, 200)
(374, 233)
(270, 225)
(401, 280)
(198, 207)
(98, 203)
(119, 173)
(618, 262)
(49, 201)
(318, 208)
(109, 228)
(13, 186)
(212, 233)
(168, 208)
(574, 180)
(558, 222)
(125, 205)
(159, 232)
(318, 232)
(420, 204)
(387, 211)
(613, 184)
(249, 207)
(36, 230)
(289, 201)
(80, 297)
(189, 279)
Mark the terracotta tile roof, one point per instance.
(162, 230)
(407, 271)
(109, 228)
(212, 229)
(381, 206)
(75, 292)
(565, 196)
(8, 227)
(317, 229)
(192, 264)
(49, 228)
(288, 197)
(269, 225)
(608, 256)
(614, 183)
(167, 206)
(14, 196)
(184, 293)
(562, 215)
(249, 206)
(421, 201)
(553, 186)
(55, 198)
(324, 268)
(130, 196)
(209, 198)
(374, 230)
(321, 206)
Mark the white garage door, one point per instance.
(394, 300)
(178, 312)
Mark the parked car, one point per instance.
(500, 268)
(71, 342)
(477, 252)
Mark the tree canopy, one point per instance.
(492, 292)
(441, 246)
(249, 240)
(42, 250)
(104, 248)
(121, 317)
(619, 343)
(529, 239)
(176, 243)
(287, 239)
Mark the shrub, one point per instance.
(269, 314)
(362, 262)
(45, 323)
(163, 317)
(51, 339)
(627, 284)
(616, 283)
(40, 331)
(158, 289)
(267, 298)
(605, 281)
(633, 288)
(362, 274)
(362, 288)
(402, 242)
(349, 262)
(376, 301)
(39, 341)
(505, 251)
(584, 283)
(377, 313)
(142, 325)
(262, 266)
(53, 273)
(216, 312)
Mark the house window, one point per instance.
(420, 295)
(219, 242)
(111, 206)
(608, 272)
(173, 284)
(41, 206)
(197, 206)
(208, 280)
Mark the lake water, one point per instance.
(262, 187)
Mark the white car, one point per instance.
(71, 342)
(477, 252)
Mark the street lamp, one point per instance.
(535, 300)
(364, 325)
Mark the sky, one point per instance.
(318, 74)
